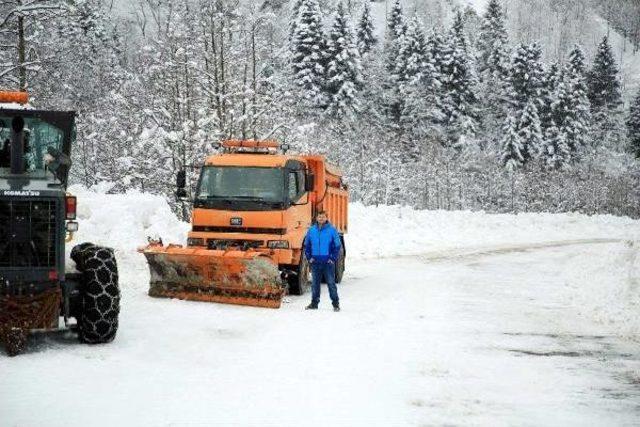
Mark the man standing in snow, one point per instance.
(322, 249)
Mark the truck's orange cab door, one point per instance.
(298, 215)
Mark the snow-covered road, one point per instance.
(502, 337)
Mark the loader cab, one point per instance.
(43, 139)
(36, 213)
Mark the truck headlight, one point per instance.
(195, 241)
(72, 226)
(278, 244)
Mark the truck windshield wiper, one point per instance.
(255, 199)
(245, 198)
(226, 200)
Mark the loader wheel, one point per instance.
(299, 283)
(99, 293)
(15, 340)
(340, 265)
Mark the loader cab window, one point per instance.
(39, 136)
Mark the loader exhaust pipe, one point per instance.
(17, 145)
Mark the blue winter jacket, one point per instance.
(322, 244)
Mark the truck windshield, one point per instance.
(39, 136)
(241, 183)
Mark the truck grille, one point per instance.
(28, 233)
(248, 230)
(224, 244)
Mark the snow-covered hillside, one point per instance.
(594, 28)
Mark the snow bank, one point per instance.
(384, 231)
(124, 221)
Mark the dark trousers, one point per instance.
(328, 272)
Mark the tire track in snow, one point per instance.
(477, 251)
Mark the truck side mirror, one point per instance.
(309, 182)
(181, 183)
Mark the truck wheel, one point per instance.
(99, 293)
(340, 265)
(299, 283)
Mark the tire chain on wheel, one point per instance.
(100, 295)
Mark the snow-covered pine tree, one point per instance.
(526, 76)
(603, 81)
(530, 132)
(308, 53)
(413, 62)
(552, 78)
(295, 11)
(493, 63)
(576, 64)
(458, 30)
(633, 126)
(511, 155)
(344, 72)
(435, 48)
(577, 121)
(418, 84)
(472, 24)
(555, 153)
(394, 40)
(396, 22)
(492, 42)
(458, 86)
(396, 30)
(366, 37)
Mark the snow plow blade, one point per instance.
(198, 274)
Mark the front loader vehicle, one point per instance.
(251, 210)
(37, 219)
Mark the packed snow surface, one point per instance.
(125, 221)
(448, 318)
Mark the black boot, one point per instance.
(312, 306)
(336, 307)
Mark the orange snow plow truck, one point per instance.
(251, 209)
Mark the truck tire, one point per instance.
(299, 283)
(340, 265)
(99, 293)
